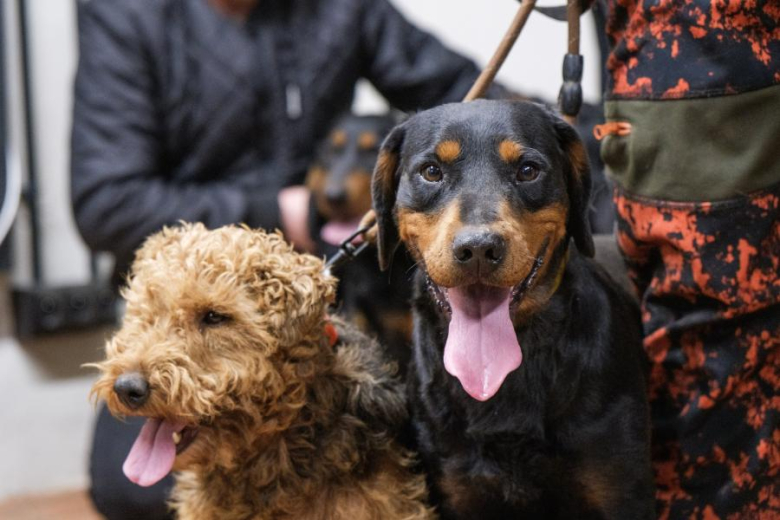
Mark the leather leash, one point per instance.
(488, 74)
(570, 96)
(569, 99)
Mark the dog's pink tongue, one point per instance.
(153, 453)
(482, 346)
(335, 233)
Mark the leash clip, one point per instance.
(347, 250)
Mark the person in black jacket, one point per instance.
(209, 111)
(183, 112)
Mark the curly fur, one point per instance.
(288, 426)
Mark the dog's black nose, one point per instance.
(335, 196)
(480, 252)
(132, 389)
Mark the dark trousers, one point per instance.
(112, 493)
(707, 274)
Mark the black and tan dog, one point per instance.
(527, 385)
(340, 179)
(340, 182)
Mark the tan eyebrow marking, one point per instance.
(448, 151)
(510, 151)
(338, 138)
(367, 140)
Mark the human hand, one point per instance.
(294, 210)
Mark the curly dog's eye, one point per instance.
(212, 318)
(527, 173)
(431, 173)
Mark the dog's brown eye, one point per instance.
(431, 173)
(212, 318)
(527, 173)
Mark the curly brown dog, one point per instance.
(265, 409)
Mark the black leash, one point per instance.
(347, 250)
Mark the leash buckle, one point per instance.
(347, 250)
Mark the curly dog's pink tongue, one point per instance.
(153, 453)
(482, 346)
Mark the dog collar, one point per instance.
(331, 333)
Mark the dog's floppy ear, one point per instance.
(578, 183)
(384, 185)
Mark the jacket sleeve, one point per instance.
(410, 67)
(120, 188)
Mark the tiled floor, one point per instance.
(73, 505)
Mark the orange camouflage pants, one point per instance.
(707, 275)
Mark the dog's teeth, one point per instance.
(176, 437)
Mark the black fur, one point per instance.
(383, 194)
(378, 301)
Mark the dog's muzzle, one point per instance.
(478, 252)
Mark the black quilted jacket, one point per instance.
(183, 114)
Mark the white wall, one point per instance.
(45, 418)
(53, 53)
(475, 27)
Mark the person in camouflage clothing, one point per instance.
(691, 140)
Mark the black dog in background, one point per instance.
(340, 182)
(527, 388)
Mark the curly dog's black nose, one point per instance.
(480, 252)
(132, 389)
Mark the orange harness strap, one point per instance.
(332, 333)
(620, 128)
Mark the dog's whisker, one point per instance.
(412, 267)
